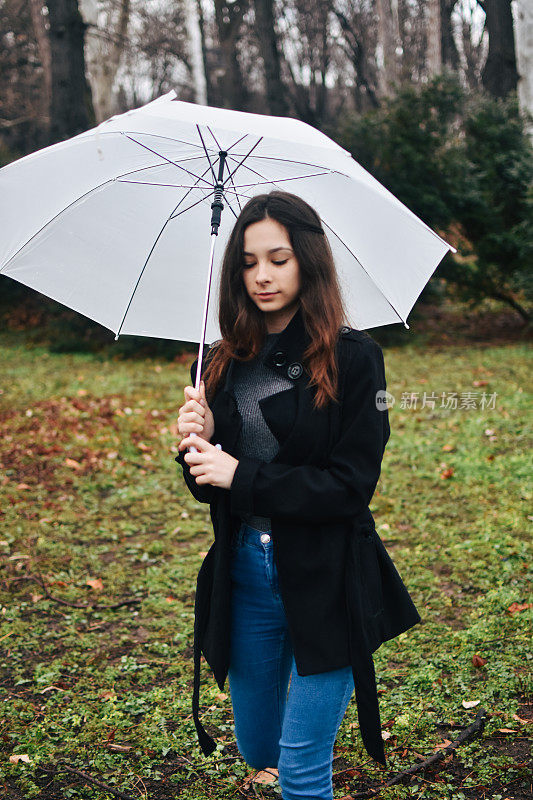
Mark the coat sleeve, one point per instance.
(205, 492)
(344, 487)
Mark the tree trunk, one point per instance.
(195, 48)
(43, 43)
(388, 58)
(450, 56)
(499, 75)
(208, 78)
(433, 50)
(524, 55)
(104, 55)
(268, 43)
(71, 108)
(232, 91)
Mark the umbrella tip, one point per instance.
(406, 325)
(116, 336)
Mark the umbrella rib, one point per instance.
(292, 178)
(175, 216)
(279, 180)
(206, 153)
(292, 161)
(243, 160)
(374, 281)
(214, 137)
(170, 185)
(230, 206)
(165, 158)
(275, 183)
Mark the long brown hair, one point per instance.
(242, 323)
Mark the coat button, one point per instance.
(294, 370)
(344, 329)
(265, 538)
(279, 358)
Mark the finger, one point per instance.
(192, 394)
(193, 405)
(198, 442)
(185, 428)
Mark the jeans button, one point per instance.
(265, 538)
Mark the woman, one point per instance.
(297, 583)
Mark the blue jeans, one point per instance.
(293, 733)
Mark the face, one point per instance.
(270, 266)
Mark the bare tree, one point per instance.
(196, 49)
(71, 108)
(524, 54)
(499, 74)
(267, 36)
(232, 91)
(106, 42)
(39, 15)
(358, 42)
(434, 43)
(389, 47)
(449, 53)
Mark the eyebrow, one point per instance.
(273, 250)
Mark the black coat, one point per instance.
(342, 595)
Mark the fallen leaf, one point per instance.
(95, 583)
(470, 703)
(23, 486)
(506, 730)
(170, 599)
(478, 661)
(203, 554)
(521, 720)
(385, 735)
(24, 757)
(119, 748)
(70, 462)
(36, 597)
(261, 777)
(448, 447)
(447, 473)
(442, 745)
(514, 607)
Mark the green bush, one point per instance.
(464, 164)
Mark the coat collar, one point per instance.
(285, 354)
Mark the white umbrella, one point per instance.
(114, 222)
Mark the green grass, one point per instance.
(89, 490)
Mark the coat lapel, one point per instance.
(283, 411)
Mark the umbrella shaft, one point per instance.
(217, 205)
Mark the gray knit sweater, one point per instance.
(252, 382)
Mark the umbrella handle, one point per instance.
(194, 449)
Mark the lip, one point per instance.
(266, 294)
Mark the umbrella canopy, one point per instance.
(115, 222)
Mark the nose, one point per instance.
(262, 274)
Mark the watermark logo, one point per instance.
(449, 401)
(384, 400)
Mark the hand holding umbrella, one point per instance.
(208, 463)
